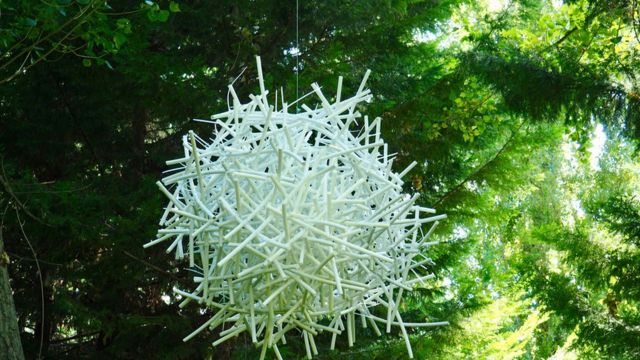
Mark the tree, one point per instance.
(101, 143)
(33, 32)
(10, 344)
(499, 104)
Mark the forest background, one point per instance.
(524, 117)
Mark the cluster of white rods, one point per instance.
(295, 222)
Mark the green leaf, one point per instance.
(124, 24)
(174, 7)
(163, 15)
(86, 62)
(31, 22)
(119, 39)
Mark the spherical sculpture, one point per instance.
(294, 221)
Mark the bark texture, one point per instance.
(10, 345)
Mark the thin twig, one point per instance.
(35, 257)
(154, 267)
(32, 46)
(54, 191)
(563, 38)
(22, 258)
(9, 190)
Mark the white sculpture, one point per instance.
(292, 219)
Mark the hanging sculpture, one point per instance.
(294, 221)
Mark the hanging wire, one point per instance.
(297, 56)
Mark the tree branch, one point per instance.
(9, 190)
(480, 169)
(154, 267)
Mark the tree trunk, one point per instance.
(10, 346)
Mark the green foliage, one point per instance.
(506, 110)
(41, 31)
(574, 62)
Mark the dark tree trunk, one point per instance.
(139, 128)
(10, 346)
